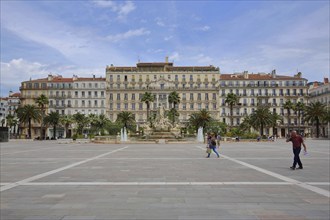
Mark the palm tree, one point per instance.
(200, 119)
(66, 121)
(288, 105)
(10, 121)
(231, 99)
(53, 119)
(174, 98)
(80, 120)
(276, 119)
(147, 98)
(299, 107)
(42, 101)
(246, 124)
(173, 114)
(93, 121)
(102, 123)
(3, 122)
(261, 118)
(28, 113)
(314, 113)
(126, 118)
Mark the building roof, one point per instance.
(258, 76)
(159, 67)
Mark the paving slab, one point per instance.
(52, 180)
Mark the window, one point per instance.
(192, 106)
(191, 96)
(118, 96)
(133, 96)
(199, 96)
(214, 96)
(111, 97)
(206, 96)
(125, 96)
(133, 106)
(118, 106)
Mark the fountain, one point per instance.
(162, 130)
(200, 136)
(123, 135)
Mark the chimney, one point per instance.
(166, 59)
(274, 73)
(315, 84)
(50, 77)
(326, 80)
(246, 74)
(10, 93)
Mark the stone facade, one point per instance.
(197, 87)
(263, 89)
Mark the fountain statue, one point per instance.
(162, 128)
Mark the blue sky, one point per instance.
(82, 37)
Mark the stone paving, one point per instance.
(251, 180)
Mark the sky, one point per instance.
(83, 37)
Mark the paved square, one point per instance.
(54, 180)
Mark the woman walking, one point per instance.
(212, 145)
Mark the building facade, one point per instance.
(66, 96)
(197, 87)
(320, 92)
(271, 90)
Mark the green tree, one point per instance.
(174, 98)
(173, 114)
(232, 100)
(299, 107)
(52, 119)
(3, 122)
(276, 119)
(127, 119)
(288, 105)
(102, 123)
(261, 118)
(26, 114)
(10, 122)
(314, 113)
(66, 121)
(200, 119)
(80, 120)
(147, 98)
(42, 101)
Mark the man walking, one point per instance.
(296, 140)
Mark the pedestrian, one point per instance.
(212, 145)
(296, 140)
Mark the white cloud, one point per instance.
(201, 58)
(18, 70)
(168, 38)
(128, 34)
(121, 9)
(204, 28)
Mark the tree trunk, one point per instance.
(54, 129)
(29, 131)
(317, 128)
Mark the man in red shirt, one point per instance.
(296, 140)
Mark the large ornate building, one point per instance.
(66, 96)
(269, 89)
(320, 92)
(197, 87)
